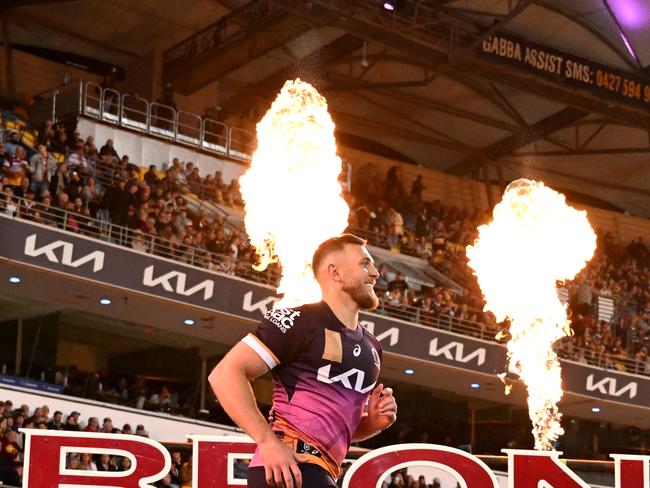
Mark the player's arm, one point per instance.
(231, 382)
(381, 413)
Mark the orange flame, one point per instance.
(292, 193)
(534, 241)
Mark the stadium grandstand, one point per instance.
(126, 272)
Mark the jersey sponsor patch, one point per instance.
(333, 347)
(283, 317)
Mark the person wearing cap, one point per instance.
(139, 430)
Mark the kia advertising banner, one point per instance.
(63, 252)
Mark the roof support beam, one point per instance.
(393, 94)
(311, 65)
(228, 44)
(351, 121)
(582, 152)
(432, 44)
(510, 144)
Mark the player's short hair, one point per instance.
(334, 244)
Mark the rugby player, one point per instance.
(325, 368)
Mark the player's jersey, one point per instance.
(323, 373)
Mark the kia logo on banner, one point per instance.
(610, 387)
(214, 456)
(392, 333)
(264, 306)
(458, 355)
(67, 253)
(165, 280)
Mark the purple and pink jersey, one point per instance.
(323, 373)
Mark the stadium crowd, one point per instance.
(12, 443)
(102, 184)
(92, 188)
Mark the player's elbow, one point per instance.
(216, 377)
(224, 373)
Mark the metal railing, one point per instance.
(155, 119)
(106, 231)
(225, 31)
(200, 257)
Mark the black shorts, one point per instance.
(313, 476)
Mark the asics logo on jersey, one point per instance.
(283, 318)
(344, 379)
(357, 351)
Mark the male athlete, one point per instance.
(325, 369)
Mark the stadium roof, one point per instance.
(426, 80)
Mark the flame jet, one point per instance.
(534, 240)
(292, 192)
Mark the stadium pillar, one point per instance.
(204, 380)
(500, 177)
(488, 183)
(19, 347)
(472, 427)
(8, 58)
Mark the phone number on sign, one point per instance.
(617, 84)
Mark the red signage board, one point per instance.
(214, 457)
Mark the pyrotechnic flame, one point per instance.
(534, 240)
(291, 191)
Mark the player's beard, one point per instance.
(364, 297)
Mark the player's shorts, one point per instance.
(313, 476)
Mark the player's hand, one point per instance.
(280, 466)
(382, 407)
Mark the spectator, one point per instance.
(93, 425)
(175, 471)
(125, 464)
(86, 462)
(60, 142)
(13, 143)
(42, 167)
(417, 187)
(60, 181)
(15, 167)
(72, 422)
(105, 464)
(138, 242)
(56, 422)
(108, 428)
(77, 160)
(399, 283)
(108, 152)
(140, 430)
(8, 409)
(11, 450)
(46, 134)
(21, 190)
(151, 176)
